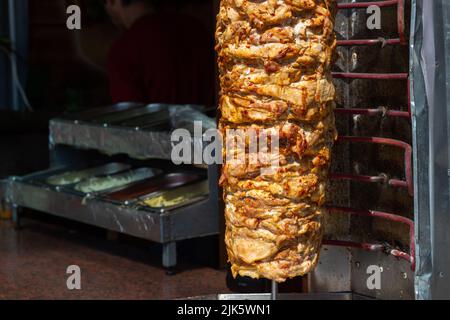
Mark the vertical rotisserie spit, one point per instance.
(274, 60)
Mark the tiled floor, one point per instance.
(33, 264)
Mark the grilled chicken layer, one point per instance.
(274, 59)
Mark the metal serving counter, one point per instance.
(120, 131)
(68, 138)
(126, 218)
(165, 227)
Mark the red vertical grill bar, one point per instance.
(370, 76)
(375, 76)
(400, 23)
(407, 183)
(382, 178)
(368, 42)
(376, 247)
(355, 5)
(374, 112)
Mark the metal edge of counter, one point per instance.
(111, 140)
(282, 296)
(154, 226)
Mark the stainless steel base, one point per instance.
(195, 220)
(283, 296)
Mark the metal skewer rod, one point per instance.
(274, 293)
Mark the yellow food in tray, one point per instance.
(162, 202)
(177, 197)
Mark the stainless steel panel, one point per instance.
(333, 273)
(396, 278)
(198, 219)
(342, 269)
(430, 48)
(111, 140)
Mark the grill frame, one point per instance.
(350, 279)
(427, 167)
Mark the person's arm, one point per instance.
(124, 82)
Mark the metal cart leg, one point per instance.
(16, 216)
(169, 257)
(274, 291)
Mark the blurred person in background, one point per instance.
(162, 55)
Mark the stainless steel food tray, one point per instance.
(150, 187)
(153, 171)
(93, 171)
(197, 220)
(189, 202)
(140, 201)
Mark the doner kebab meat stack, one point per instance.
(274, 60)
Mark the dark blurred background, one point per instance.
(58, 69)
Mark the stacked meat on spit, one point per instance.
(274, 60)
